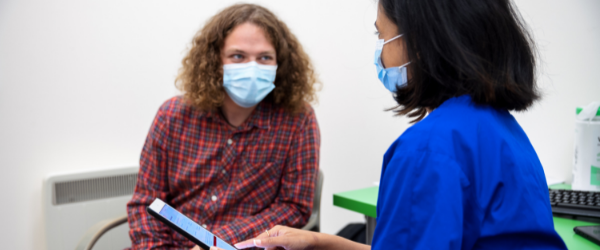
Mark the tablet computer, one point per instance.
(185, 226)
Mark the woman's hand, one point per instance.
(283, 237)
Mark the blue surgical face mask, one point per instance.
(390, 77)
(248, 83)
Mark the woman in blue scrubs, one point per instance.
(465, 175)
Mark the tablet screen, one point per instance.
(193, 228)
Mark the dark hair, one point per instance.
(479, 48)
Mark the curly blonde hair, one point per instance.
(201, 76)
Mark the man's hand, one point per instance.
(282, 237)
(197, 248)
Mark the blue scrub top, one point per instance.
(465, 177)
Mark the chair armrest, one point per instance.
(312, 223)
(92, 235)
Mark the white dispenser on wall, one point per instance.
(586, 161)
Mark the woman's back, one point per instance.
(465, 177)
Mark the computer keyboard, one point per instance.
(578, 203)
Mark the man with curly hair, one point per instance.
(239, 151)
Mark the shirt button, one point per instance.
(224, 172)
(229, 142)
(214, 198)
(204, 225)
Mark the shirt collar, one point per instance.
(260, 117)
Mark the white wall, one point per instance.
(80, 82)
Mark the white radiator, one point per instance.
(75, 201)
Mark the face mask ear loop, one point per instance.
(404, 64)
(393, 38)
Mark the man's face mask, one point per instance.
(248, 83)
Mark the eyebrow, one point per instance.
(244, 52)
(236, 51)
(268, 52)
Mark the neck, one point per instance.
(234, 114)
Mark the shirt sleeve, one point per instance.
(145, 231)
(420, 203)
(292, 206)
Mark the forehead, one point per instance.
(248, 37)
(383, 21)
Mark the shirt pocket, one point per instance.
(258, 184)
(266, 147)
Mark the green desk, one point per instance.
(364, 201)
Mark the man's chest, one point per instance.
(198, 158)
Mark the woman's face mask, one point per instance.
(391, 78)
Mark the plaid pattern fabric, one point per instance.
(237, 182)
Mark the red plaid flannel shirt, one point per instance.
(237, 182)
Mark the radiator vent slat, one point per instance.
(93, 189)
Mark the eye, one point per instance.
(377, 33)
(237, 56)
(266, 58)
